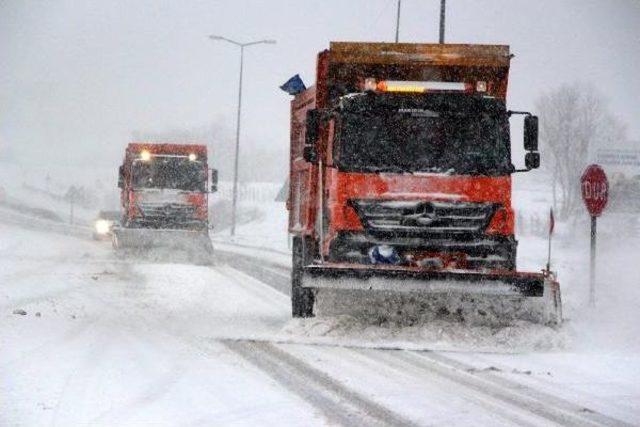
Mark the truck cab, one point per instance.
(410, 147)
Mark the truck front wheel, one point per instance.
(302, 299)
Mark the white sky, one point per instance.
(76, 77)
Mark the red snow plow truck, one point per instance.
(164, 197)
(400, 185)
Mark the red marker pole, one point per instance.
(552, 223)
(595, 193)
(592, 263)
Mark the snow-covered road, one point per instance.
(108, 341)
(111, 342)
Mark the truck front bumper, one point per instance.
(410, 294)
(412, 279)
(476, 252)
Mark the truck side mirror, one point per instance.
(531, 133)
(310, 154)
(532, 160)
(121, 177)
(214, 180)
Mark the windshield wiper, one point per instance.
(389, 169)
(434, 170)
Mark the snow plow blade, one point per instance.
(497, 297)
(196, 243)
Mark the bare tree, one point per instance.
(574, 119)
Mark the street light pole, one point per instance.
(398, 21)
(234, 200)
(443, 6)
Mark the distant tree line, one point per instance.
(574, 119)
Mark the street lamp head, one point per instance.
(222, 38)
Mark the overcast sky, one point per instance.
(77, 77)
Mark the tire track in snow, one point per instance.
(217, 240)
(271, 274)
(435, 392)
(265, 292)
(336, 402)
(515, 395)
(550, 407)
(521, 389)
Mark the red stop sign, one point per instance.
(595, 189)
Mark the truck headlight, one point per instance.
(102, 226)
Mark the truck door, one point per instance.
(303, 182)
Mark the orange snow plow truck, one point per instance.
(164, 198)
(400, 185)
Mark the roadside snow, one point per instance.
(109, 342)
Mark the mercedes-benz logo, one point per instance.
(427, 215)
(424, 215)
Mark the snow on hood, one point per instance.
(161, 195)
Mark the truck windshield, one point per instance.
(178, 173)
(423, 138)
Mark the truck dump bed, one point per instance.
(346, 64)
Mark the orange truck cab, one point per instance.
(164, 187)
(400, 162)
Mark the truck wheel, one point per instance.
(302, 299)
(115, 241)
(118, 243)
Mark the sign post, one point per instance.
(552, 224)
(592, 263)
(595, 193)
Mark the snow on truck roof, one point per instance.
(162, 148)
(343, 68)
(412, 53)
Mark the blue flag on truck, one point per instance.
(294, 85)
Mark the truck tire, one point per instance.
(302, 299)
(115, 241)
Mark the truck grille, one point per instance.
(174, 212)
(424, 218)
